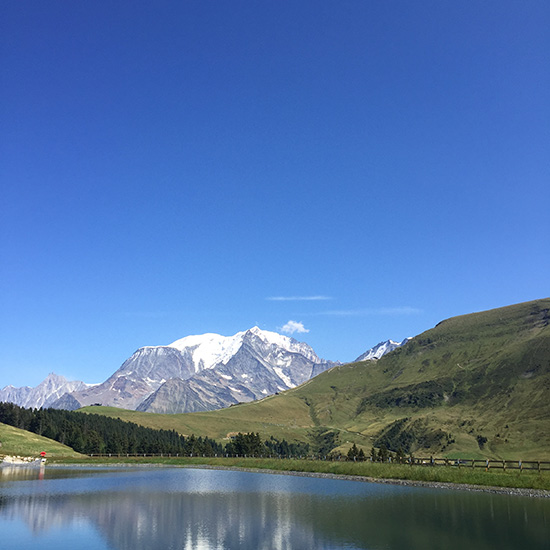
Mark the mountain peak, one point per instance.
(381, 349)
(211, 371)
(43, 395)
(212, 349)
(54, 378)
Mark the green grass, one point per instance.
(438, 474)
(483, 375)
(17, 442)
(285, 418)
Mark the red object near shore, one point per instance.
(43, 454)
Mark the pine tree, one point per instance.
(353, 452)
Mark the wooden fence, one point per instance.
(537, 465)
(487, 464)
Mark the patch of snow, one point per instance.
(226, 376)
(284, 377)
(154, 381)
(285, 342)
(210, 349)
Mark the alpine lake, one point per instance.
(195, 509)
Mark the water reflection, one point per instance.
(195, 509)
(8, 473)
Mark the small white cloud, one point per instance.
(298, 298)
(294, 326)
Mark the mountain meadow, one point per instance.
(475, 385)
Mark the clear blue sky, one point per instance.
(171, 168)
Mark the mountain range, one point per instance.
(476, 385)
(44, 395)
(196, 373)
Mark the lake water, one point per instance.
(180, 508)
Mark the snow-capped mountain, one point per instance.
(43, 395)
(204, 372)
(381, 349)
(195, 373)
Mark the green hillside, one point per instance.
(475, 385)
(282, 416)
(16, 442)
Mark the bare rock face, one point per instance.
(259, 368)
(140, 375)
(44, 395)
(205, 372)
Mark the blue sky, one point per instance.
(362, 169)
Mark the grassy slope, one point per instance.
(22, 443)
(485, 374)
(282, 416)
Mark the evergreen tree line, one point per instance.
(98, 434)
(250, 444)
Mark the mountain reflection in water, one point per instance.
(199, 509)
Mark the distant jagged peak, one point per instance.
(54, 378)
(381, 349)
(49, 390)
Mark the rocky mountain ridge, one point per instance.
(381, 349)
(43, 395)
(195, 373)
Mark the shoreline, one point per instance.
(537, 493)
(511, 491)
